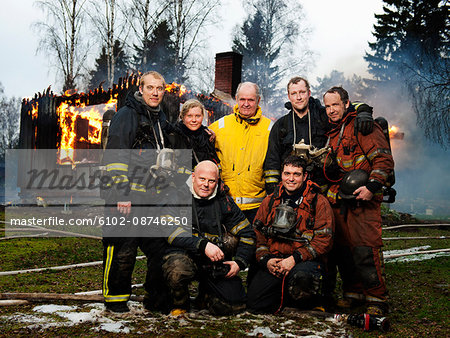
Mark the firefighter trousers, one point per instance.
(299, 288)
(357, 252)
(119, 257)
(220, 295)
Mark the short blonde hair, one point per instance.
(156, 75)
(188, 105)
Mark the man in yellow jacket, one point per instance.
(241, 144)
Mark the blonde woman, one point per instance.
(191, 134)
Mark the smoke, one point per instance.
(421, 167)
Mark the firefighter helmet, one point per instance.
(352, 181)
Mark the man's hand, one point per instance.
(364, 119)
(362, 193)
(234, 269)
(286, 265)
(212, 135)
(274, 267)
(124, 207)
(213, 252)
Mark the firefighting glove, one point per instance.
(270, 187)
(364, 119)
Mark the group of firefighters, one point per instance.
(293, 201)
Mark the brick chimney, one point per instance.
(228, 72)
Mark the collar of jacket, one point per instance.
(191, 188)
(307, 187)
(251, 120)
(140, 99)
(348, 116)
(188, 132)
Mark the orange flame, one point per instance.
(68, 117)
(34, 111)
(70, 92)
(34, 116)
(176, 88)
(394, 133)
(393, 130)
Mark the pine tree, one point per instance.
(407, 30)
(266, 40)
(258, 61)
(158, 52)
(100, 72)
(357, 86)
(411, 49)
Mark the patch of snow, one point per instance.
(264, 331)
(83, 317)
(117, 327)
(52, 308)
(403, 251)
(75, 315)
(412, 258)
(22, 318)
(420, 257)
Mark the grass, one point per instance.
(419, 292)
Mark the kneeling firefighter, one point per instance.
(294, 230)
(220, 245)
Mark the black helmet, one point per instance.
(352, 181)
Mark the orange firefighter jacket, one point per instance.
(316, 225)
(370, 153)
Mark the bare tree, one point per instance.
(9, 121)
(272, 40)
(143, 16)
(110, 27)
(189, 19)
(63, 38)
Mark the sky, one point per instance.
(340, 31)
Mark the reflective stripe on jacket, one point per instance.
(367, 152)
(320, 235)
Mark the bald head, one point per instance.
(205, 178)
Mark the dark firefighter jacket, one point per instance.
(316, 225)
(281, 138)
(198, 140)
(134, 126)
(370, 153)
(221, 207)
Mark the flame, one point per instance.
(176, 88)
(393, 130)
(394, 133)
(34, 116)
(68, 116)
(34, 111)
(70, 92)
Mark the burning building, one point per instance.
(74, 122)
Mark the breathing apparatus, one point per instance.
(284, 225)
(314, 157)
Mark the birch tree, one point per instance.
(189, 19)
(110, 26)
(63, 37)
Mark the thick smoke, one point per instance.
(422, 175)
